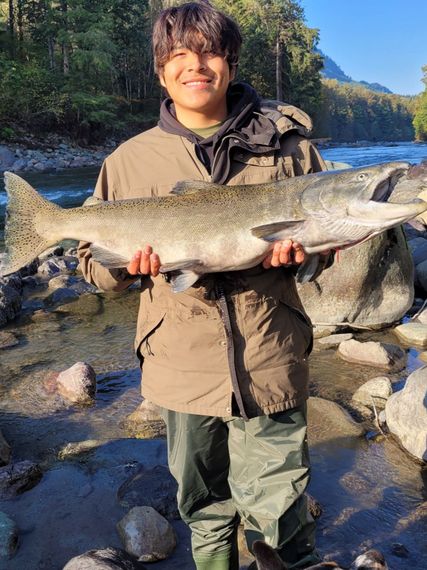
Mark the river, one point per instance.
(372, 492)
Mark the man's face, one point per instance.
(197, 84)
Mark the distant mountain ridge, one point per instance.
(332, 70)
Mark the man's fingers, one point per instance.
(154, 264)
(133, 267)
(298, 253)
(285, 252)
(267, 261)
(144, 264)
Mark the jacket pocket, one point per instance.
(304, 325)
(144, 341)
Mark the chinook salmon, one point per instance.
(203, 227)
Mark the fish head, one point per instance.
(360, 195)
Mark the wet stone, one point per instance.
(154, 487)
(146, 534)
(406, 414)
(105, 559)
(145, 422)
(4, 451)
(378, 354)
(78, 383)
(16, 478)
(334, 340)
(61, 296)
(399, 550)
(374, 392)
(328, 421)
(7, 340)
(8, 536)
(412, 334)
(78, 448)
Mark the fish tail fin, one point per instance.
(29, 224)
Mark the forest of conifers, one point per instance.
(84, 69)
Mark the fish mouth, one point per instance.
(381, 190)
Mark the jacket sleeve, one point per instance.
(94, 272)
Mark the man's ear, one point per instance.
(162, 79)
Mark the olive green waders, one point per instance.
(256, 471)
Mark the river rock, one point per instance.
(145, 422)
(4, 450)
(78, 383)
(422, 317)
(62, 281)
(10, 302)
(85, 306)
(7, 158)
(371, 284)
(8, 536)
(418, 248)
(54, 251)
(406, 414)
(8, 339)
(55, 265)
(16, 478)
(421, 275)
(374, 392)
(154, 488)
(146, 534)
(328, 420)
(105, 559)
(77, 448)
(379, 354)
(414, 334)
(61, 296)
(334, 340)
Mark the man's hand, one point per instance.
(285, 252)
(144, 263)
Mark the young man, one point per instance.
(227, 359)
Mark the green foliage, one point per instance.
(351, 113)
(420, 119)
(85, 69)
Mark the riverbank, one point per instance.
(53, 153)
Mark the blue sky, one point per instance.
(383, 41)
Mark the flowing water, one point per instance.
(372, 492)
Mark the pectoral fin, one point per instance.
(182, 273)
(108, 258)
(182, 280)
(308, 268)
(278, 230)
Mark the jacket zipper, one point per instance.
(225, 315)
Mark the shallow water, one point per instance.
(372, 492)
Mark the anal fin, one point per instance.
(108, 258)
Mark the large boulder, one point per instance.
(406, 414)
(105, 559)
(10, 301)
(370, 284)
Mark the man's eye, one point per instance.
(178, 54)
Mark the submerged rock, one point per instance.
(374, 392)
(16, 478)
(406, 414)
(77, 448)
(4, 451)
(154, 488)
(78, 383)
(146, 534)
(105, 559)
(8, 536)
(328, 420)
(378, 354)
(10, 302)
(334, 340)
(8, 339)
(145, 422)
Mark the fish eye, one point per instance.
(362, 176)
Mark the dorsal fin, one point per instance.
(191, 187)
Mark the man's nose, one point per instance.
(196, 62)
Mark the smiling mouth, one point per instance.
(197, 83)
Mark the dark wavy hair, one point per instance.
(196, 26)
